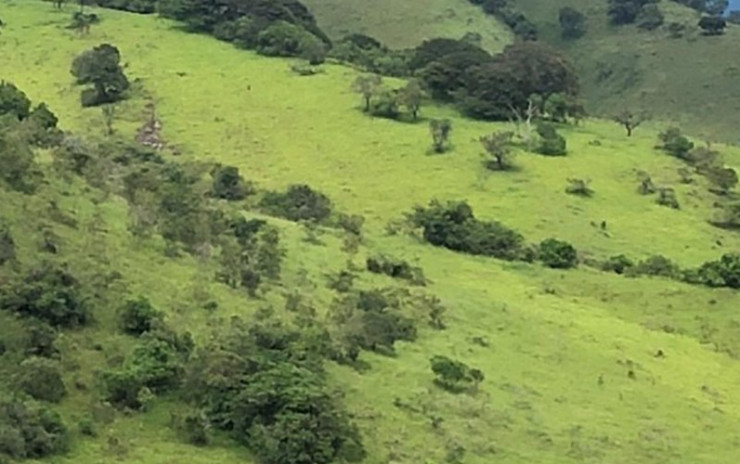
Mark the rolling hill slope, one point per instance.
(407, 24)
(569, 357)
(690, 81)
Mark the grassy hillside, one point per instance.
(690, 81)
(556, 347)
(407, 24)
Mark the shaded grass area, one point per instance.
(557, 347)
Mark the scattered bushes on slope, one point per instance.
(30, 431)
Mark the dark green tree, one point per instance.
(13, 101)
(650, 17)
(675, 143)
(572, 23)
(557, 254)
(298, 203)
(101, 68)
(139, 316)
(713, 25)
(228, 184)
(42, 379)
(551, 143)
(48, 293)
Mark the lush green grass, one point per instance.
(405, 24)
(691, 81)
(551, 335)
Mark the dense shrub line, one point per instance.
(453, 225)
(510, 15)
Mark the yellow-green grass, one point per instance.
(552, 335)
(691, 81)
(405, 24)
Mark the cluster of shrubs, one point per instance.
(724, 272)
(454, 226)
(265, 384)
(272, 27)
(398, 269)
(371, 55)
(49, 294)
(455, 376)
(298, 203)
(704, 160)
(371, 320)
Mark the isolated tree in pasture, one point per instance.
(440, 130)
(629, 120)
(498, 149)
(100, 67)
(367, 86)
(411, 97)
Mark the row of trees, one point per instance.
(646, 14)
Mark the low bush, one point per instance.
(579, 187)
(228, 184)
(558, 254)
(455, 376)
(551, 143)
(139, 316)
(298, 203)
(398, 269)
(656, 265)
(675, 143)
(667, 197)
(618, 264)
(42, 379)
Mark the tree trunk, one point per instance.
(629, 130)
